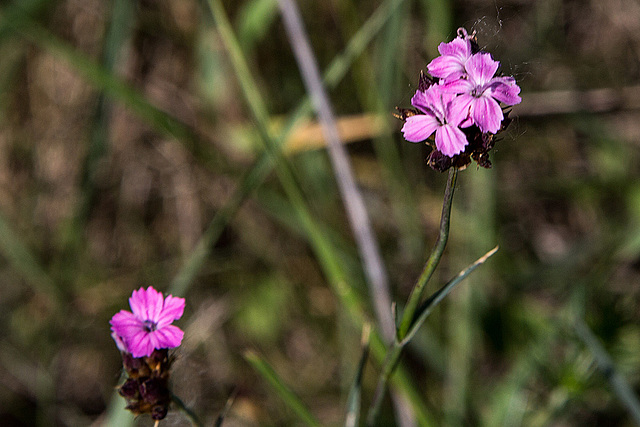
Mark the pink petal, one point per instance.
(140, 344)
(420, 101)
(122, 346)
(446, 67)
(507, 80)
(435, 97)
(138, 303)
(458, 86)
(487, 114)
(146, 305)
(459, 111)
(420, 127)
(427, 100)
(123, 320)
(445, 99)
(168, 337)
(457, 47)
(450, 140)
(481, 68)
(504, 92)
(172, 310)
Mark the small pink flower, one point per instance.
(479, 92)
(149, 326)
(439, 118)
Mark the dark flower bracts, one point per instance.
(144, 336)
(462, 104)
(146, 388)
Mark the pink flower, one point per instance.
(454, 56)
(438, 117)
(479, 92)
(149, 326)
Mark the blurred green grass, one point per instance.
(124, 148)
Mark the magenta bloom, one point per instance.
(479, 92)
(149, 326)
(454, 56)
(438, 117)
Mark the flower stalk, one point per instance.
(409, 314)
(434, 259)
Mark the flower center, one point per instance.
(478, 91)
(149, 326)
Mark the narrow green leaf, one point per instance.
(333, 75)
(17, 11)
(393, 354)
(425, 309)
(286, 394)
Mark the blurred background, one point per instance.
(130, 156)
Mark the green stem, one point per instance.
(431, 264)
(391, 361)
(393, 355)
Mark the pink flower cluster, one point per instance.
(465, 92)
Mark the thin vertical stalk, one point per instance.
(434, 258)
(375, 91)
(351, 196)
(391, 361)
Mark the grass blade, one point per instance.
(621, 388)
(23, 261)
(354, 400)
(286, 394)
(188, 412)
(194, 262)
(107, 82)
(335, 72)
